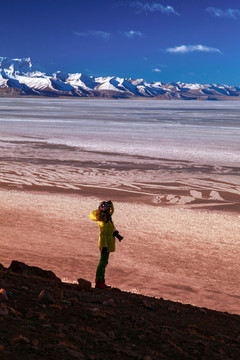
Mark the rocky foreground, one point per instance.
(44, 318)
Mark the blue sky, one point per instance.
(166, 40)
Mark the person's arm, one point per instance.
(94, 215)
(98, 215)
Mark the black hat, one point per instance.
(105, 205)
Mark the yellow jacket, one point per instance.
(106, 238)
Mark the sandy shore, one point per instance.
(175, 252)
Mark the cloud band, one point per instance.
(183, 49)
(133, 34)
(93, 33)
(154, 7)
(230, 13)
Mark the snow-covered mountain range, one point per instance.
(18, 77)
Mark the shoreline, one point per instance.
(208, 194)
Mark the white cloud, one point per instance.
(147, 7)
(157, 70)
(232, 13)
(183, 49)
(93, 33)
(133, 34)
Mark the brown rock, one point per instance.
(4, 309)
(147, 305)
(2, 268)
(15, 312)
(45, 298)
(3, 295)
(84, 284)
(21, 339)
(22, 268)
(109, 302)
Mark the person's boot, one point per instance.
(104, 284)
(100, 285)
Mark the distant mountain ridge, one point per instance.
(18, 77)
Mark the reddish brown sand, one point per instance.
(175, 252)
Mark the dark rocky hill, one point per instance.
(43, 318)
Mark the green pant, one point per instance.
(100, 274)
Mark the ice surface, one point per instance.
(205, 133)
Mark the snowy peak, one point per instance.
(17, 77)
(59, 75)
(81, 80)
(16, 66)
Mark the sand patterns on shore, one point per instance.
(161, 181)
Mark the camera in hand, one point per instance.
(117, 235)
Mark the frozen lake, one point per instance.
(205, 132)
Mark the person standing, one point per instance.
(106, 243)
